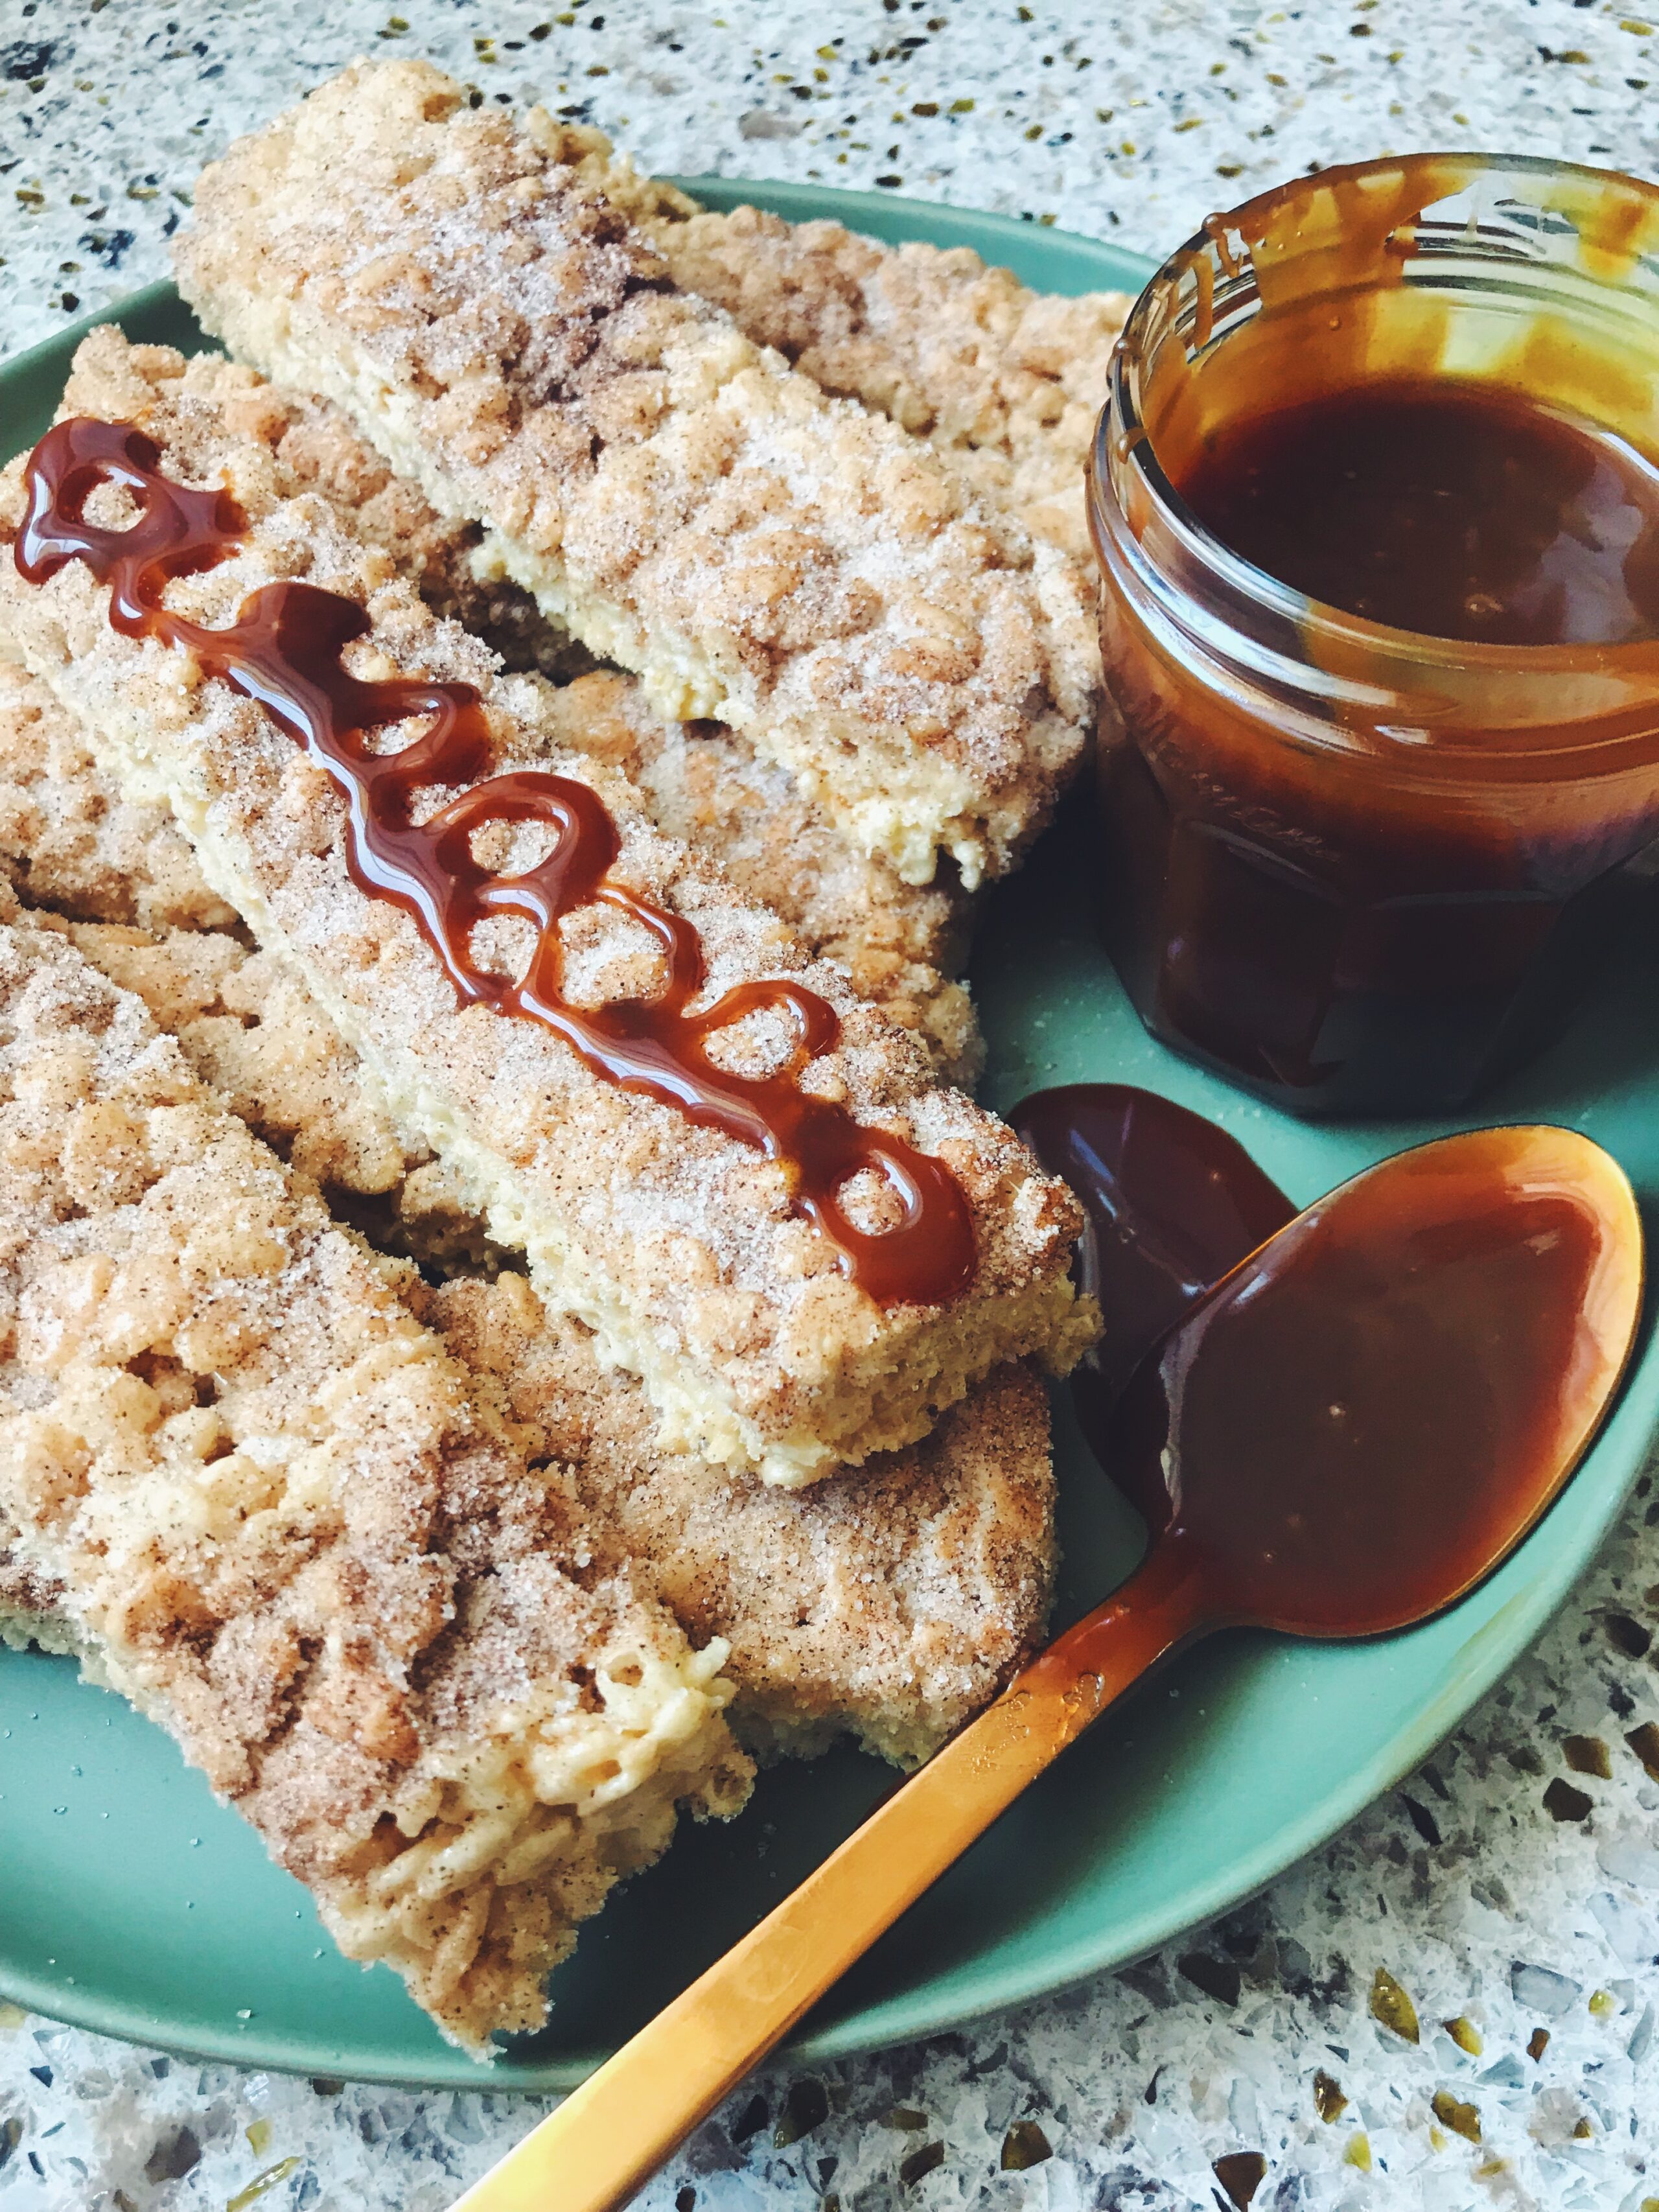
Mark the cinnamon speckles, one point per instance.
(685, 502)
(671, 1214)
(269, 1512)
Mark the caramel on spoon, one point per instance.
(1343, 1436)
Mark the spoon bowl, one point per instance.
(1363, 1418)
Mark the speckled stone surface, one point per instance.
(1512, 1889)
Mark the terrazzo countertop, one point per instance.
(1454, 2004)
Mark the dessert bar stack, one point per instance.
(671, 1452)
(886, 1600)
(262, 1496)
(902, 945)
(677, 1244)
(683, 500)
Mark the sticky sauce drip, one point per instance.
(284, 651)
(1334, 1418)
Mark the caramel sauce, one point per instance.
(1367, 879)
(1351, 1425)
(1170, 1201)
(1455, 508)
(1347, 1425)
(284, 651)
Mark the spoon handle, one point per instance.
(610, 2135)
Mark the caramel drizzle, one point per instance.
(283, 652)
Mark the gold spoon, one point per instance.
(1342, 1436)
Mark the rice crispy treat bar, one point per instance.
(902, 944)
(888, 1602)
(676, 1243)
(69, 841)
(268, 1510)
(1006, 381)
(892, 1600)
(120, 879)
(687, 504)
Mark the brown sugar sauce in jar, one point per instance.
(1457, 509)
(1377, 504)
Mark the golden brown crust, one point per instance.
(892, 1600)
(275, 1521)
(682, 500)
(678, 1243)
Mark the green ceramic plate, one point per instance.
(133, 1903)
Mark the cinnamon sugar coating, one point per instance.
(892, 1600)
(318, 451)
(676, 1244)
(1006, 381)
(889, 1602)
(122, 880)
(31, 1601)
(269, 1511)
(249, 1028)
(902, 944)
(70, 841)
(683, 500)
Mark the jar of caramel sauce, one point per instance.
(1375, 499)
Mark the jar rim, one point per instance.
(1123, 439)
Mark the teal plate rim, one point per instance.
(1052, 1013)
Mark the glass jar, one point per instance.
(1355, 868)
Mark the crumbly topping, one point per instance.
(275, 1518)
(1007, 381)
(249, 1027)
(68, 838)
(69, 841)
(890, 1602)
(893, 1600)
(818, 578)
(902, 944)
(677, 1241)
